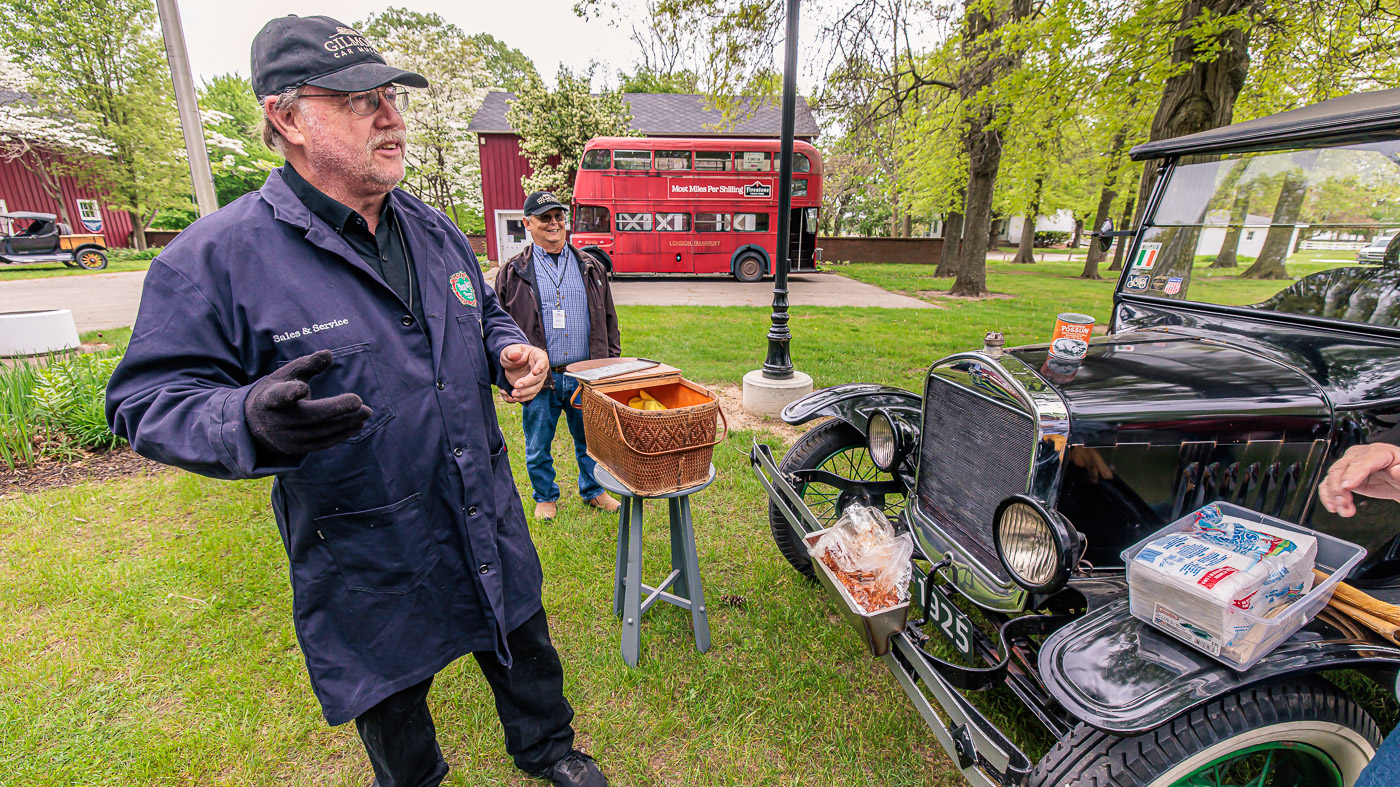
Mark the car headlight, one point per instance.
(1039, 548)
(882, 440)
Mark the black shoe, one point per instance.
(575, 769)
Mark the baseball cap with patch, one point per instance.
(292, 51)
(541, 202)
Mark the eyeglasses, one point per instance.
(558, 217)
(366, 102)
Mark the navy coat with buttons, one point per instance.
(408, 545)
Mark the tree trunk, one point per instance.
(952, 246)
(1025, 248)
(1078, 236)
(1229, 247)
(1106, 198)
(1202, 95)
(1122, 247)
(1276, 243)
(985, 60)
(908, 229)
(138, 230)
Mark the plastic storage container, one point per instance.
(1172, 612)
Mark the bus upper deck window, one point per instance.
(754, 161)
(750, 222)
(598, 158)
(592, 218)
(632, 159)
(673, 159)
(800, 162)
(713, 161)
(712, 222)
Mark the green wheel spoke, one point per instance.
(1273, 764)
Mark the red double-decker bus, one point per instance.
(708, 206)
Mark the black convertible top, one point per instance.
(24, 214)
(1348, 120)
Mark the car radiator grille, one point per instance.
(975, 454)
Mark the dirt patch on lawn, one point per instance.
(91, 466)
(933, 296)
(731, 400)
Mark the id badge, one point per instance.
(558, 319)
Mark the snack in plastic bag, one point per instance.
(866, 555)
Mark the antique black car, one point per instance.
(1246, 350)
(39, 237)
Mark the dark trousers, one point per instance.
(401, 741)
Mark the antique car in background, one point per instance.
(1244, 353)
(39, 237)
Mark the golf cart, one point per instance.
(39, 237)
(1237, 367)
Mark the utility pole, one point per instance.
(769, 389)
(188, 104)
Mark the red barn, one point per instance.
(21, 189)
(653, 115)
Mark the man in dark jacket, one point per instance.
(559, 295)
(335, 332)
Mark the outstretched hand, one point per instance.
(526, 367)
(1371, 470)
(282, 419)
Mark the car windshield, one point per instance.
(1293, 232)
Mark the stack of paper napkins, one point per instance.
(1197, 583)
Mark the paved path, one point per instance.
(109, 300)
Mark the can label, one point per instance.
(1071, 337)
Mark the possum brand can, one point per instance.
(1071, 338)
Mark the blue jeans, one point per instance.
(540, 418)
(1384, 769)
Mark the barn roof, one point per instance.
(666, 115)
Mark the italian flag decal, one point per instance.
(1147, 254)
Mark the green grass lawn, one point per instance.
(48, 270)
(145, 624)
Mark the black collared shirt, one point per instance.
(385, 252)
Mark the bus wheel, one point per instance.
(749, 269)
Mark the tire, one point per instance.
(1306, 730)
(749, 268)
(91, 259)
(840, 448)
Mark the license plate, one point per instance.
(954, 624)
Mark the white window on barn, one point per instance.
(673, 222)
(713, 161)
(634, 222)
(632, 159)
(753, 161)
(712, 222)
(673, 159)
(87, 209)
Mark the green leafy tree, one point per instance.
(554, 125)
(645, 80)
(230, 114)
(505, 68)
(444, 166)
(104, 60)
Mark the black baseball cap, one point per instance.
(542, 202)
(292, 51)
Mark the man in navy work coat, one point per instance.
(335, 332)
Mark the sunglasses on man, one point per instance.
(366, 102)
(555, 217)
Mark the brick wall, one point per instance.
(921, 251)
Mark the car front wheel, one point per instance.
(1300, 733)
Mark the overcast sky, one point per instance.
(218, 33)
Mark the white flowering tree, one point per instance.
(36, 137)
(444, 167)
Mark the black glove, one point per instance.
(282, 419)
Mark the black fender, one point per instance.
(601, 255)
(854, 403)
(746, 248)
(1115, 673)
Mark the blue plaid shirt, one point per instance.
(561, 287)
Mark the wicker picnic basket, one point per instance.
(652, 452)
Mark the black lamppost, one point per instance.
(778, 364)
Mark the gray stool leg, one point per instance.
(679, 587)
(698, 620)
(620, 571)
(632, 603)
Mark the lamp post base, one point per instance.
(767, 396)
